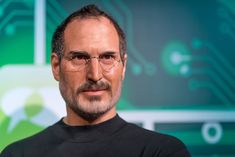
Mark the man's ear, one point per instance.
(124, 66)
(55, 66)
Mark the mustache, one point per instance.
(90, 85)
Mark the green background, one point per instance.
(180, 57)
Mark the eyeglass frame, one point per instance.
(70, 56)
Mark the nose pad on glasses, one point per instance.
(94, 71)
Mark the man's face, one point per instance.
(92, 91)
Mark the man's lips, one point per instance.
(94, 89)
(94, 92)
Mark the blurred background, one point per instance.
(180, 72)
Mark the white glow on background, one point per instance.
(39, 39)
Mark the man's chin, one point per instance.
(91, 115)
(94, 99)
(91, 109)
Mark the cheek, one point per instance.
(71, 81)
(115, 79)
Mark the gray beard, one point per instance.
(88, 116)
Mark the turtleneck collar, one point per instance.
(88, 133)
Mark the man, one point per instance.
(89, 62)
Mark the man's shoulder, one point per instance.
(29, 142)
(162, 143)
(141, 132)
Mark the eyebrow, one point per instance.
(109, 53)
(79, 53)
(86, 53)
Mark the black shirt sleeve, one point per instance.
(12, 150)
(5, 153)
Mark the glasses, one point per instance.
(78, 61)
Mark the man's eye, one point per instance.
(79, 57)
(107, 57)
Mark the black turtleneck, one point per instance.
(112, 138)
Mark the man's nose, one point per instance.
(94, 71)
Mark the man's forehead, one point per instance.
(100, 28)
(79, 21)
(91, 35)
